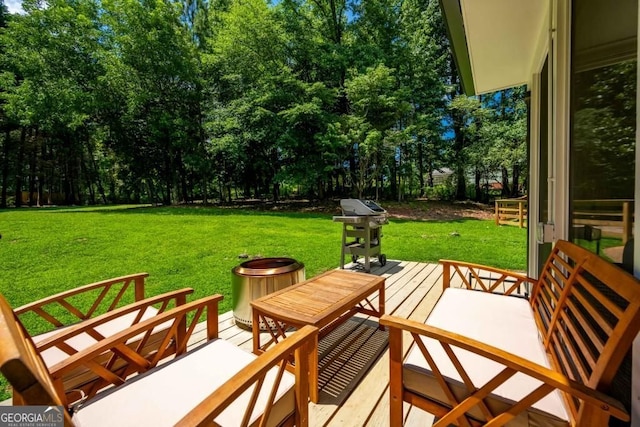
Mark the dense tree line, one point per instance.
(105, 101)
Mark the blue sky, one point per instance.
(14, 6)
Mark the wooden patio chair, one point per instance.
(483, 358)
(214, 384)
(108, 314)
(58, 347)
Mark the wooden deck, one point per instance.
(354, 362)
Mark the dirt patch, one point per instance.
(442, 211)
(420, 210)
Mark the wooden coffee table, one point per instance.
(324, 301)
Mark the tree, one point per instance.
(136, 101)
(423, 70)
(53, 54)
(245, 68)
(377, 104)
(505, 133)
(604, 139)
(150, 89)
(6, 125)
(468, 116)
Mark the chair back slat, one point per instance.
(588, 312)
(69, 307)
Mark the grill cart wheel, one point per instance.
(382, 259)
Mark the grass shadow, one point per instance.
(191, 211)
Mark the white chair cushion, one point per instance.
(501, 321)
(79, 342)
(162, 396)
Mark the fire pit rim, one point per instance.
(273, 266)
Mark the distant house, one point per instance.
(440, 176)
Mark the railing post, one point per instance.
(497, 213)
(139, 288)
(212, 320)
(626, 222)
(395, 377)
(520, 213)
(446, 275)
(302, 386)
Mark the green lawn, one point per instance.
(44, 251)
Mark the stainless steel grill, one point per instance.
(362, 221)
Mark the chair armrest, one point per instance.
(90, 326)
(130, 351)
(302, 344)
(514, 364)
(61, 300)
(509, 279)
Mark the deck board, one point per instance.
(369, 403)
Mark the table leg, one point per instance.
(344, 244)
(255, 329)
(314, 394)
(381, 307)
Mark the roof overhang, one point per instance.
(495, 42)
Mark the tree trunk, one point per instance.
(421, 168)
(460, 161)
(183, 179)
(23, 138)
(393, 180)
(45, 176)
(5, 167)
(461, 183)
(71, 184)
(88, 179)
(478, 185)
(103, 196)
(33, 173)
(112, 190)
(152, 192)
(205, 195)
(505, 183)
(515, 189)
(353, 170)
(137, 191)
(399, 176)
(168, 181)
(32, 176)
(321, 189)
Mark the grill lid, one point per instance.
(360, 207)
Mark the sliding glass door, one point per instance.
(602, 144)
(603, 127)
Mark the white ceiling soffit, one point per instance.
(502, 37)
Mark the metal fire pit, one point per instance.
(258, 277)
